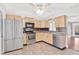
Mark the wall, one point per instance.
(0, 36)
(2, 21)
(70, 20)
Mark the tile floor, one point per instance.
(42, 48)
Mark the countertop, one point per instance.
(43, 32)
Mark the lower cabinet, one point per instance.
(24, 39)
(44, 36)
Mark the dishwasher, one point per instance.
(59, 40)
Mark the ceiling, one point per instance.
(51, 10)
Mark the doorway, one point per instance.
(73, 42)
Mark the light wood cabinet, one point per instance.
(24, 38)
(48, 37)
(29, 20)
(60, 21)
(43, 24)
(10, 17)
(44, 36)
(13, 17)
(46, 24)
(37, 23)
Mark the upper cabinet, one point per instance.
(44, 24)
(60, 21)
(10, 17)
(41, 23)
(37, 23)
(13, 17)
(30, 20)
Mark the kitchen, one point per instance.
(23, 29)
(44, 31)
(30, 31)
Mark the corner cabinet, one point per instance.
(44, 36)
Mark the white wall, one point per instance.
(2, 18)
(0, 36)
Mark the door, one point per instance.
(73, 42)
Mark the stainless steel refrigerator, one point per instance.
(13, 35)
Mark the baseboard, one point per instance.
(12, 50)
(59, 48)
(24, 44)
(39, 41)
(52, 45)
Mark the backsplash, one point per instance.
(41, 29)
(61, 29)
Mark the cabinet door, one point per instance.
(24, 38)
(46, 24)
(37, 23)
(42, 24)
(60, 22)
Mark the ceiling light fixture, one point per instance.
(39, 11)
